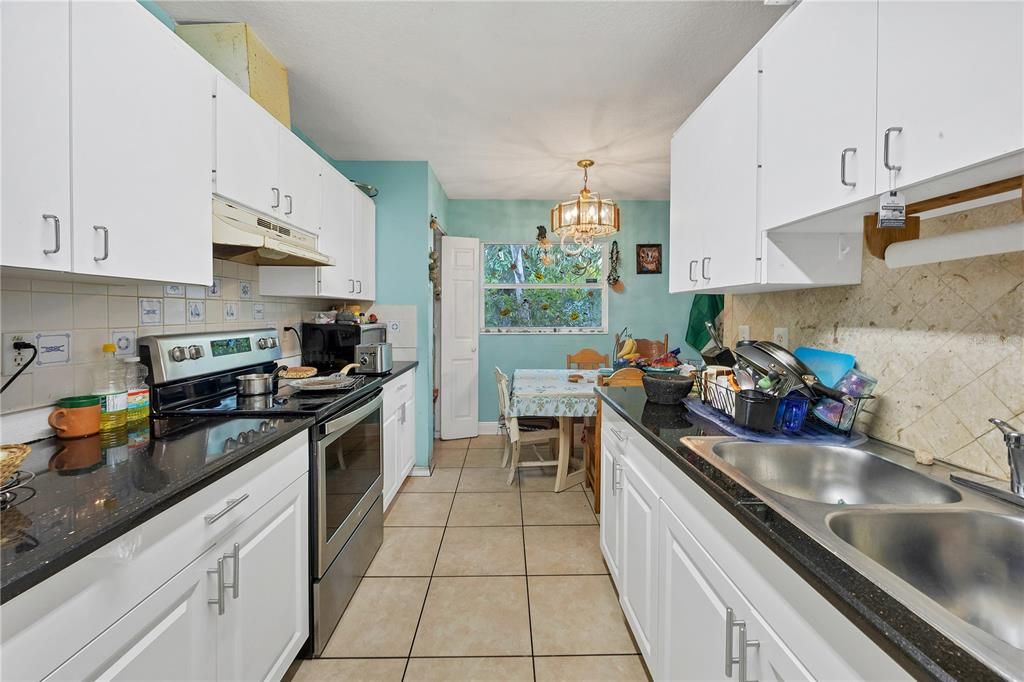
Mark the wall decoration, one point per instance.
(614, 263)
(648, 259)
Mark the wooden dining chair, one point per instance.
(586, 358)
(629, 376)
(526, 430)
(648, 348)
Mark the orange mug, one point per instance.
(76, 417)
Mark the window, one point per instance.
(527, 288)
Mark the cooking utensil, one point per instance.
(667, 389)
(720, 355)
(258, 384)
(763, 357)
(756, 410)
(743, 378)
(829, 366)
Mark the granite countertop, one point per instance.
(920, 648)
(398, 368)
(88, 492)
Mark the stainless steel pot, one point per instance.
(258, 384)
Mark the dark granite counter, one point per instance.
(88, 492)
(924, 651)
(398, 368)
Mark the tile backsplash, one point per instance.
(944, 340)
(75, 319)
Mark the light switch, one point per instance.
(781, 336)
(743, 332)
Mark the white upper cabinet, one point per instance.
(300, 181)
(142, 142)
(951, 75)
(35, 73)
(337, 234)
(686, 239)
(247, 150)
(818, 110)
(365, 249)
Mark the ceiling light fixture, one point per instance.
(584, 218)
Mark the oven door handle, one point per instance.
(346, 421)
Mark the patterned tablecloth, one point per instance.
(549, 393)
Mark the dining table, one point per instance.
(568, 395)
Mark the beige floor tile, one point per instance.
(590, 669)
(590, 496)
(481, 551)
(577, 615)
(380, 621)
(539, 480)
(489, 440)
(486, 480)
(474, 617)
(459, 444)
(486, 509)
(351, 670)
(419, 509)
(564, 550)
(567, 508)
(406, 552)
(439, 481)
(448, 459)
(470, 669)
(484, 458)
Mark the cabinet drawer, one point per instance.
(63, 613)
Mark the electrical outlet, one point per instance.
(743, 332)
(13, 359)
(781, 336)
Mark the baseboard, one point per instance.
(489, 429)
(420, 471)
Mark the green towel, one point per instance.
(706, 307)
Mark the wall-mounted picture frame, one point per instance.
(648, 259)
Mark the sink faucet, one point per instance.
(1015, 452)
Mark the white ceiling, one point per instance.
(502, 98)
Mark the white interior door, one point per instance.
(460, 331)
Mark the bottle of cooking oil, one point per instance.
(138, 391)
(111, 389)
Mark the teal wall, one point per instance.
(403, 210)
(159, 12)
(645, 305)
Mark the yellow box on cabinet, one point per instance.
(236, 51)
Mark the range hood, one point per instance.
(248, 237)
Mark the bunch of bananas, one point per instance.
(628, 350)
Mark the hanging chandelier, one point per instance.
(584, 218)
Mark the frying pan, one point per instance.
(764, 357)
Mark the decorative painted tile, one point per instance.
(174, 290)
(196, 312)
(257, 311)
(245, 290)
(54, 348)
(124, 340)
(213, 291)
(151, 311)
(231, 311)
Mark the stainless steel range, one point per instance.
(193, 379)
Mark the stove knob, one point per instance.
(272, 341)
(263, 343)
(244, 438)
(179, 354)
(265, 427)
(195, 352)
(230, 445)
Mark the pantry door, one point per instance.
(460, 332)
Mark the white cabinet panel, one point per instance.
(638, 592)
(951, 74)
(172, 635)
(247, 151)
(142, 143)
(392, 446)
(337, 234)
(686, 228)
(407, 456)
(611, 507)
(266, 616)
(364, 249)
(809, 116)
(35, 74)
(299, 169)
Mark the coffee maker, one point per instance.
(330, 347)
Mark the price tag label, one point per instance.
(892, 210)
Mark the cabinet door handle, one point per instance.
(617, 477)
(106, 243)
(693, 263)
(56, 234)
(277, 197)
(618, 434)
(231, 504)
(219, 601)
(885, 148)
(288, 198)
(360, 286)
(842, 167)
(705, 262)
(235, 556)
(351, 286)
(744, 644)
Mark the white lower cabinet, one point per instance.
(704, 598)
(399, 431)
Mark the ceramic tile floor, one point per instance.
(477, 580)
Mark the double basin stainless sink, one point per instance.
(951, 555)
